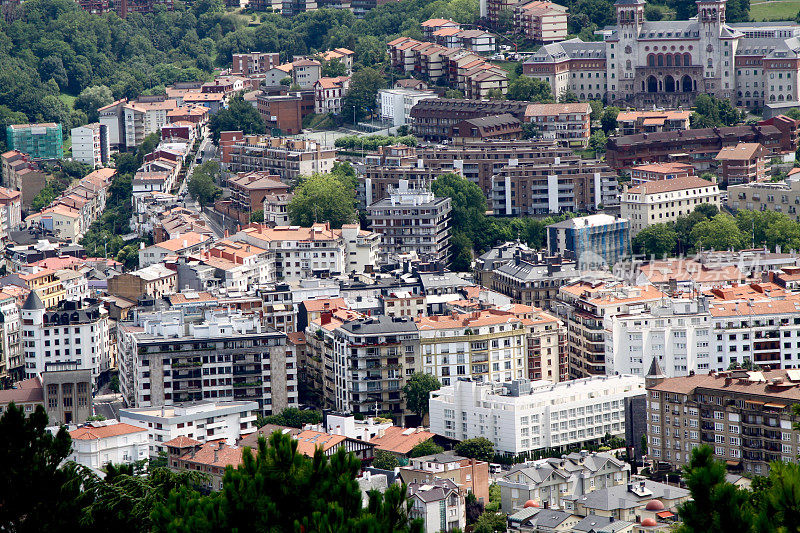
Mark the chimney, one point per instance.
(325, 317)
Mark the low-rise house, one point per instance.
(439, 504)
(633, 122)
(190, 243)
(276, 209)
(329, 94)
(548, 481)
(569, 124)
(742, 163)
(470, 475)
(541, 21)
(627, 501)
(496, 127)
(96, 444)
(400, 441)
(10, 211)
(660, 171)
(21, 173)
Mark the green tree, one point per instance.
(598, 141)
(364, 87)
(651, 12)
(385, 460)
(91, 99)
(491, 523)
(425, 448)
(291, 417)
(417, 392)
(202, 184)
(716, 505)
(240, 115)
(453, 93)
(718, 233)
(473, 508)
(658, 240)
(257, 216)
(34, 492)
(323, 198)
(567, 97)
(468, 211)
(332, 68)
(597, 109)
(529, 89)
(711, 111)
(608, 120)
(479, 448)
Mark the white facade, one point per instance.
(439, 505)
(396, 104)
(69, 333)
(522, 416)
(202, 421)
(10, 330)
(99, 443)
(87, 144)
(679, 333)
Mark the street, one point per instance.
(206, 151)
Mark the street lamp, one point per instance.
(354, 116)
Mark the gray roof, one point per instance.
(434, 490)
(447, 279)
(524, 514)
(493, 120)
(570, 49)
(33, 302)
(548, 518)
(619, 497)
(529, 272)
(439, 458)
(380, 325)
(600, 523)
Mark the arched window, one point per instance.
(678, 61)
(687, 59)
(651, 60)
(660, 60)
(669, 60)
(780, 98)
(746, 94)
(628, 64)
(772, 98)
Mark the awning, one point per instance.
(775, 405)
(753, 402)
(732, 463)
(664, 514)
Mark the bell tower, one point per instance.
(630, 13)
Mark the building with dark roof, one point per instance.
(434, 119)
(439, 504)
(492, 127)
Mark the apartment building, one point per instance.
(90, 144)
(633, 122)
(396, 104)
(284, 157)
(412, 220)
(660, 171)
(284, 111)
(21, 173)
(523, 416)
(528, 277)
(75, 333)
(778, 136)
(203, 421)
(548, 481)
(371, 359)
(594, 240)
(742, 163)
(38, 141)
(254, 62)
(11, 361)
(42, 281)
(280, 312)
(485, 346)
(657, 202)
(241, 267)
(189, 243)
(584, 306)
(165, 359)
(10, 211)
(570, 66)
(248, 190)
(781, 197)
(492, 127)
(63, 222)
(569, 124)
(145, 116)
(97, 444)
(329, 94)
(318, 251)
(113, 118)
(746, 417)
(547, 344)
(276, 209)
(552, 184)
(538, 20)
(433, 119)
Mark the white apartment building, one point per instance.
(316, 251)
(72, 332)
(90, 144)
(76, 285)
(396, 104)
(10, 211)
(98, 443)
(678, 332)
(188, 243)
(488, 346)
(242, 266)
(168, 358)
(201, 421)
(439, 504)
(144, 117)
(656, 202)
(522, 416)
(10, 360)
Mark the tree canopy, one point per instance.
(325, 198)
(417, 391)
(479, 448)
(425, 448)
(240, 115)
(530, 89)
(203, 183)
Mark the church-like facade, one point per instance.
(668, 63)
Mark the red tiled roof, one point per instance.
(394, 440)
(104, 432)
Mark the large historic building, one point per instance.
(668, 63)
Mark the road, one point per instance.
(206, 151)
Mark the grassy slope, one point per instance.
(774, 10)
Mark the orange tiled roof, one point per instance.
(394, 440)
(104, 432)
